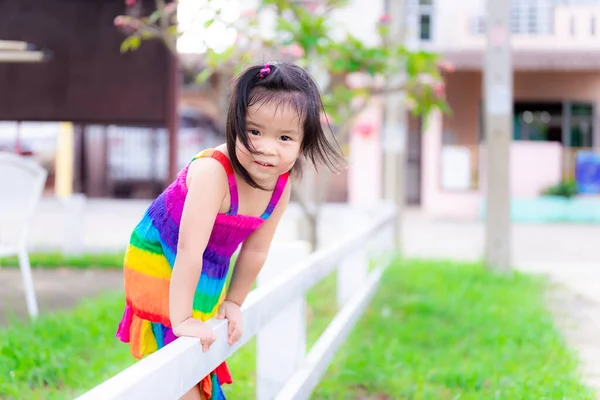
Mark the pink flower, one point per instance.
(439, 89)
(294, 50)
(130, 3)
(446, 66)
(123, 21)
(169, 7)
(364, 129)
(313, 6)
(384, 19)
(248, 13)
(120, 21)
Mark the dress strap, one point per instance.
(224, 160)
(279, 188)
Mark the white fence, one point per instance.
(275, 313)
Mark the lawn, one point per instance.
(62, 354)
(57, 260)
(435, 330)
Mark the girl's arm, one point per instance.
(254, 252)
(207, 187)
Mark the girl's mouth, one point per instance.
(263, 164)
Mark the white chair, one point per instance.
(22, 183)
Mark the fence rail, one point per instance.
(275, 312)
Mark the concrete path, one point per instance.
(56, 289)
(568, 254)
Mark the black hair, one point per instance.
(287, 84)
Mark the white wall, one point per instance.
(451, 19)
(360, 18)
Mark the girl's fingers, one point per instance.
(235, 336)
(206, 343)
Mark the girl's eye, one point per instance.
(286, 138)
(254, 132)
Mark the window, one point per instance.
(530, 17)
(478, 25)
(515, 19)
(425, 27)
(426, 20)
(527, 17)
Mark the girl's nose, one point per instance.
(268, 148)
(269, 151)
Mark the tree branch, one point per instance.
(296, 196)
(346, 127)
(169, 40)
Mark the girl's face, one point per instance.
(275, 131)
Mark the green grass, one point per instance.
(63, 354)
(438, 330)
(435, 330)
(57, 260)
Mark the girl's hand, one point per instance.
(193, 327)
(233, 313)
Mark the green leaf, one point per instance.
(130, 43)
(136, 41)
(285, 25)
(124, 46)
(204, 75)
(155, 16)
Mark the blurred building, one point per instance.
(556, 58)
(556, 55)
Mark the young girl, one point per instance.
(179, 254)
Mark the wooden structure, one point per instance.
(87, 80)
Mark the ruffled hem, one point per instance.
(146, 337)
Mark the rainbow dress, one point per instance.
(150, 258)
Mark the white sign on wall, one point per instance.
(456, 168)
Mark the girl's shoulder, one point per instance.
(211, 165)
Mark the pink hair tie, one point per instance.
(265, 71)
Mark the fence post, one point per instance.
(351, 274)
(387, 235)
(281, 344)
(74, 223)
(354, 267)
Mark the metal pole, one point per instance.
(172, 104)
(394, 143)
(498, 92)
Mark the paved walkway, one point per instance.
(568, 254)
(56, 289)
